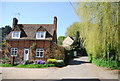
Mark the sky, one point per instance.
(39, 13)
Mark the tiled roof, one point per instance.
(28, 31)
(73, 38)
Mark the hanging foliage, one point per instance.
(100, 29)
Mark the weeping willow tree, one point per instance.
(101, 29)
(71, 31)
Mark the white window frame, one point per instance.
(38, 35)
(14, 51)
(16, 37)
(39, 50)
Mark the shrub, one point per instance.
(6, 58)
(60, 63)
(51, 65)
(27, 62)
(51, 61)
(57, 63)
(21, 65)
(5, 65)
(105, 63)
(35, 65)
(40, 62)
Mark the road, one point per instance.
(79, 68)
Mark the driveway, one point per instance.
(79, 68)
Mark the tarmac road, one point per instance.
(79, 68)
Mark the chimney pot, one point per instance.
(15, 21)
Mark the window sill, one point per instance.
(39, 57)
(15, 37)
(13, 55)
(40, 38)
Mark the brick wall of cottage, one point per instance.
(21, 44)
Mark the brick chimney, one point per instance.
(55, 29)
(55, 23)
(15, 21)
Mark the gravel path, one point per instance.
(79, 69)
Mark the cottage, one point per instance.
(32, 41)
(68, 41)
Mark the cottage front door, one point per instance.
(26, 54)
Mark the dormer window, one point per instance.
(40, 35)
(16, 34)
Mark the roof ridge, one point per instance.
(35, 24)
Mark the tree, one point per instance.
(101, 29)
(6, 30)
(76, 46)
(3, 32)
(60, 39)
(71, 31)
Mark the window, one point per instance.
(40, 53)
(16, 34)
(40, 35)
(14, 51)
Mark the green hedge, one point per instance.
(35, 65)
(105, 63)
(5, 65)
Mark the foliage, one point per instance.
(51, 61)
(83, 52)
(6, 58)
(5, 30)
(76, 43)
(50, 65)
(3, 44)
(40, 62)
(33, 46)
(27, 62)
(60, 39)
(35, 65)
(5, 65)
(60, 63)
(71, 31)
(105, 63)
(70, 53)
(57, 52)
(100, 29)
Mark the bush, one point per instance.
(27, 62)
(5, 65)
(21, 65)
(51, 61)
(51, 65)
(70, 54)
(60, 63)
(6, 58)
(105, 63)
(40, 62)
(35, 65)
